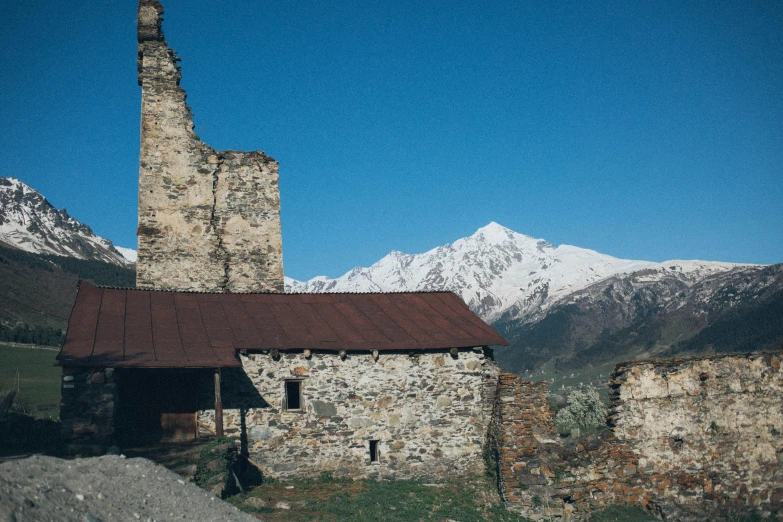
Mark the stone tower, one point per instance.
(208, 220)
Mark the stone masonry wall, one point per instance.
(690, 439)
(429, 411)
(208, 220)
(87, 409)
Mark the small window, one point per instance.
(375, 455)
(293, 395)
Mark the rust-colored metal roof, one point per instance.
(147, 328)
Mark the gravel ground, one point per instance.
(103, 489)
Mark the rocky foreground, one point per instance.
(103, 489)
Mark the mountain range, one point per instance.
(565, 307)
(502, 274)
(29, 222)
(561, 307)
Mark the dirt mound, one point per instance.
(103, 489)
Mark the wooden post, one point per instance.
(218, 405)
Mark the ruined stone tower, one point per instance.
(208, 220)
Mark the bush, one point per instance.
(585, 411)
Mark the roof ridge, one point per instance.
(267, 292)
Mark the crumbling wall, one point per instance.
(208, 220)
(428, 411)
(699, 438)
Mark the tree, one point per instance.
(584, 411)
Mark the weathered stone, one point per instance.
(259, 433)
(360, 422)
(443, 402)
(255, 502)
(215, 465)
(324, 409)
(208, 220)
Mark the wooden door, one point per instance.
(158, 405)
(178, 427)
(179, 407)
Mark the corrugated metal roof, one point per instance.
(147, 328)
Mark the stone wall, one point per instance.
(208, 220)
(689, 439)
(87, 409)
(429, 411)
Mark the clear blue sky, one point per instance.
(647, 130)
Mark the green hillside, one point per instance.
(38, 291)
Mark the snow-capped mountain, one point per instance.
(652, 313)
(500, 273)
(29, 222)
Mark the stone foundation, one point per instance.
(689, 439)
(87, 409)
(429, 413)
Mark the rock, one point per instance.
(98, 378)
(324, 409)
(443, 402)
(385, 401)
(255, 502)
(216, 465)
(282, 505)
(259, 433)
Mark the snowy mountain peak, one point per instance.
(496, 234)
(498, 272)
(29, 222)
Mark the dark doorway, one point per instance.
(157, 405)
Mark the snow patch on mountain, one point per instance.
(128, 253)
(497, 272)
(30, 223)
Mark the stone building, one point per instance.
(363, 385)
(393, 385)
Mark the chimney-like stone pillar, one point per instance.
(208, 220)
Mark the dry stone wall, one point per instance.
(208, 220)
(689, 439)
(429, 413)
(87, 409)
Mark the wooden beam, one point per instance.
(218, 405)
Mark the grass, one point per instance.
(366, 500)
(39, 380)
(622, 514)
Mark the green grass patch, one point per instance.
(39, 380)
(345, 500)
(622, 514)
